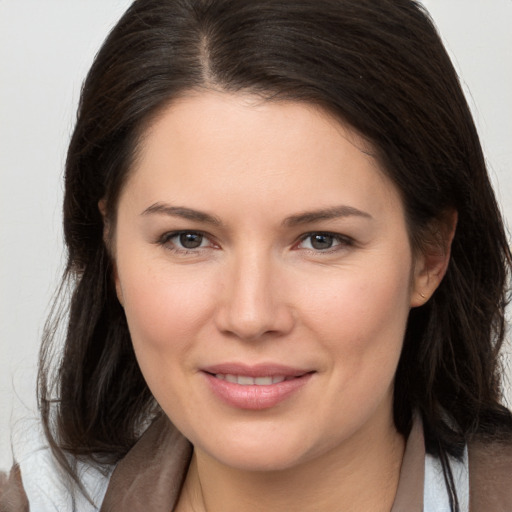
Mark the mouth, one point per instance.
(255, 387)
(245, 380)
(244, 372)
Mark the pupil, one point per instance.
(191, 240)
(321, 241)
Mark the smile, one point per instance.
(245, 380)
(255, 387)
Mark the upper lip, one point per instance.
(257, 370)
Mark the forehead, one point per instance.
(211, 147)
(218, 117)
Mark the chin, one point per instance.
(264, 459)
(265, 451)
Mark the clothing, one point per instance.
(45, 482)
(435, 497)
(151, 475)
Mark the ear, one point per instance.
(108, 241)
(102, 207)
(432, 259)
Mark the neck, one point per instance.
(361, 474)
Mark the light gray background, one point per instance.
(46, 47)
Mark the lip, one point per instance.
(255, 397)
(256, 370)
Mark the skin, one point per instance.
(257, 291)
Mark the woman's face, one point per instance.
(263, 262)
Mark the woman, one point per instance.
(288, 271)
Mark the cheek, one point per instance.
(360, 326)
(360, 320)
(360, 300)
(165, 308)
(167, 313)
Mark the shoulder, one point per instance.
(490, 474)
(48, 487)
(39, 485)
(45, 484)
(12, 494)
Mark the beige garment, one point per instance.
(150, 477)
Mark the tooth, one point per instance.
(245, 381)
(263, 381)
(251, 381)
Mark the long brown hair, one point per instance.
(378, 65)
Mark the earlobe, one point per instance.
(432, 261)
(119, 291)
(117, 283)
(102, 207)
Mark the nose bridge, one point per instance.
(254, 304)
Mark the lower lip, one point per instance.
(254, 397)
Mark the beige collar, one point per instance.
(151, 475)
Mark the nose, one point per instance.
(253, 303)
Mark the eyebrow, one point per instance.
(184, 213)
(334, 212)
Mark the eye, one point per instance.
(190, 240)
(183, 241)
(323, 241)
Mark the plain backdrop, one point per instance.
(46, 47)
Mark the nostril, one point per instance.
(252, 310)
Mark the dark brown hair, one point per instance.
(378, 65)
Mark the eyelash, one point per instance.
(165, 241)
(341, 241)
